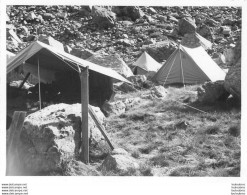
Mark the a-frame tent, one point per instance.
(145, 64)
(189, 66)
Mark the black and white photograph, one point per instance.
(123, 93)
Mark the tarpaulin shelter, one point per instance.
(50, 64)
(146, 65)
(189, 66)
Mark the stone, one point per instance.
(186, 25)
(233, 77)
(119, 162)
(132, 12)
(77, 168)
(211, 22)
(137, 79)
(51, 135)
(48, 16)
(130, 102)
(51, 41)
(233, 80)
(205, 31)
(151, 10)
(159, 91)
(125, 87)
(103, 17)
(226, 30)
(116, 108)
(210, 92)
(111, 61)
(160, 51)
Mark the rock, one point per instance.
(220, 60)
(117, 108)
(111, 61)
(186, 25)
(233, 77)
(161, 50)
(67, 48)
(31, 16)
(137, 79)
(205, 31)
(226, 30)
(125, 87)
(132, 12)
(130, 102)
(77, 168)
(173, 19)
(103, 17)
(51, 41)
(190, 40)
(82, 53)
(233, 80)
(210, 92)
(211, 22)
(62, 15)
(48, 16)
(151, 10)
(52, 134)
(159, 91)
(119, 162)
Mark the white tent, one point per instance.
(145, 64)
(189, 66)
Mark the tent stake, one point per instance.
(84, 115)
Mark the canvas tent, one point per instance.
(51, 64)
(189, 66)
(146, 65)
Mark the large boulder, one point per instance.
(186, 25)
(119, 162)
(111, 61)
(103, 17)
(233, 77)
(161, 50)
(212, 91)
(117, 107)
(52, 135)
(233, 80)
(132, 12)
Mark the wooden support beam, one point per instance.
(13, 140)
(84, 115)
(101, 128)
(25, 79)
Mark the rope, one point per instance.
(181, 67)
(39, 87)
(59, 57)
(191, 107)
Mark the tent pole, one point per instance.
(39, 86)
(169, 72)
(84, 115)
(181, 63)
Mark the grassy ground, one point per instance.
(171, 139)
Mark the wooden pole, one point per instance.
(25, 79)
(101, 127)
(84, 115)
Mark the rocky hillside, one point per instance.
(124, 30)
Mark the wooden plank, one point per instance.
(84, 115)
(100, 126)
(13, 141)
